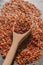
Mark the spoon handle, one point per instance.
(12, 51)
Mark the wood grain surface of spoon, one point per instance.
(17, 38)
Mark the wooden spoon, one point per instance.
(17, 38)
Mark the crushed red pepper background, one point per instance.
(30, 49)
